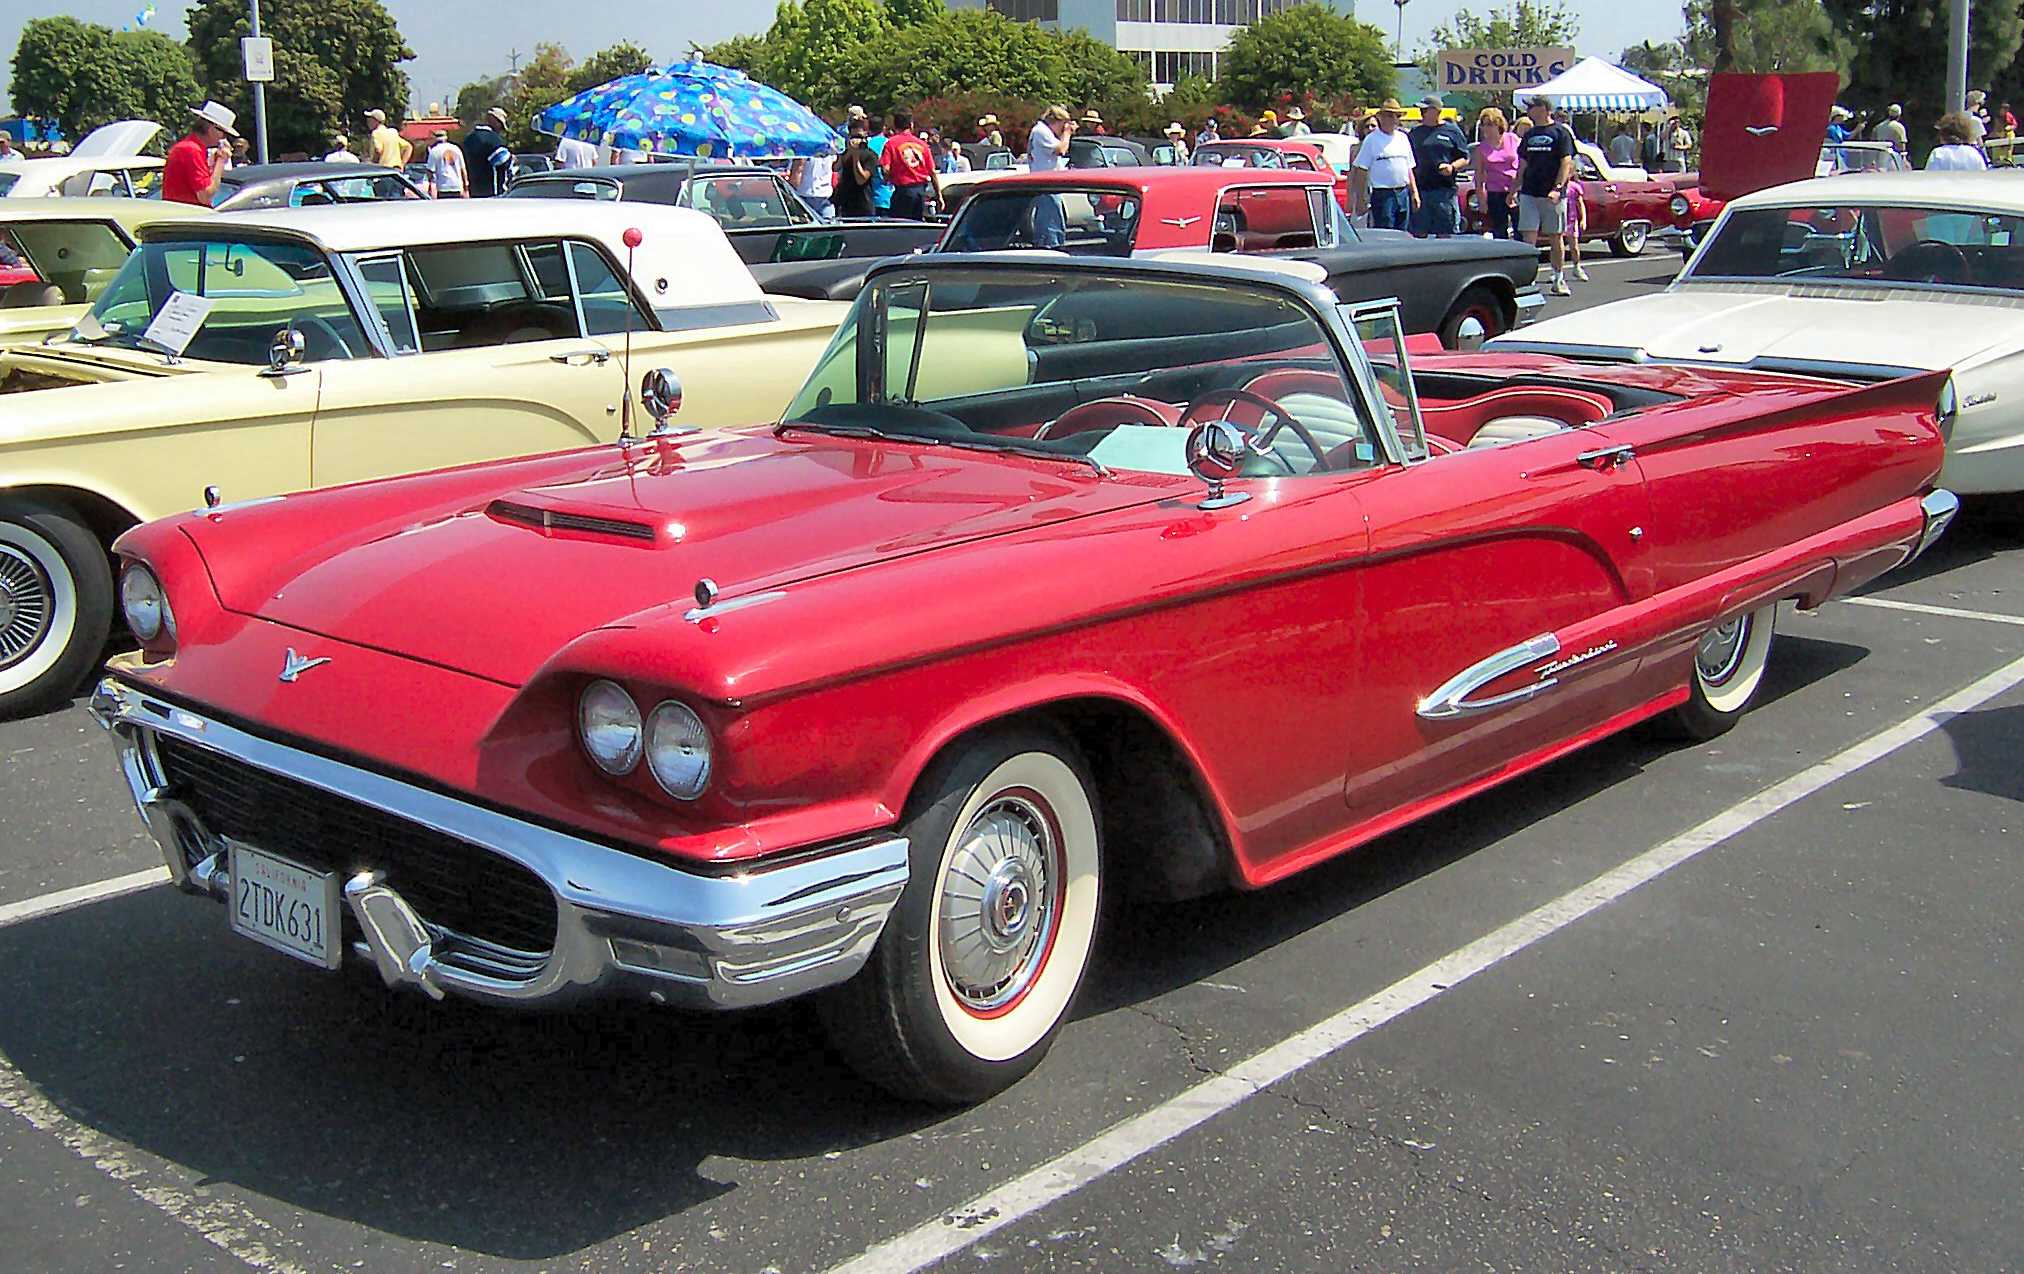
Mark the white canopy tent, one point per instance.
(1595, 85)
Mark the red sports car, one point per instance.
(1060, 576)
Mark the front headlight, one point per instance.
(678, 751)
(145, 603)
(1680, 206)
(608, 723)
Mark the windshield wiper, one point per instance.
(848, 431)
(1011, 446)
(995, 445)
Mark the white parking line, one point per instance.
(64, 899)
(1122, 1143)
(1945, 612)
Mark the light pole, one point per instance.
(1957, 55)
(1398, 49)
(259, 91)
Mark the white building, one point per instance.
(1171, 38)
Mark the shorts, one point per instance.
(1539, 215)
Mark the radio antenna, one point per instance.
(632, 238)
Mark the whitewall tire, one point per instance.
(56, 603)
(980, 962)
(1727, 672)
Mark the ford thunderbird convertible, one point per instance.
(1057, 578)
(276, 351)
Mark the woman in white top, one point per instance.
(1956, 151)
(446, 169)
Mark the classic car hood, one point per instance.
(84, 364)
(497, 585)
(1709, 323)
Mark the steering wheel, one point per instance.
(1095, 414)
(1231, 397)
(1928, 261)
(337, 348)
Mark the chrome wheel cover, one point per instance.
(27, 603)
(1000, 901)
(1720, 653)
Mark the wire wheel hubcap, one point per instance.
(1000, 901)
(1721, 651)
(27, 601)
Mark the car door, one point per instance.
(1493, 572)
(488, 359)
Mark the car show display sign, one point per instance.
(258, 51)
(175, 326)
(1462, 70)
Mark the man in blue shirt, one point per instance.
(1440, 151)
(881, 189)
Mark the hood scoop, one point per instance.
(566, 522)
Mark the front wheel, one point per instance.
(1728, 670)
(56, 601)
(1630, 241)
(981, 960)
(1477, 316)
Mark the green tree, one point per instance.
(479, 96)
(333, 61)
(1307, 51)
(812, 41)
(606, 65)
(1771, 35)
(82, 75)
(905, 13)
(958, 52)
(1667, 64)
(542, 83)
(747, 53)
(1092, 71)
(1900, 51)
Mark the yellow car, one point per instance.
(261, 353)
(57, 255)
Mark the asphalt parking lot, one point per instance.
(1753, 1005)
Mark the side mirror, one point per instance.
(285, 355)
(1216, 451)
(661, 395)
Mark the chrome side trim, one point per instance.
(1939, 507)
(624, 922)
(697, 614)
(1452, 698)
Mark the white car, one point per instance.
(1860, 277)
(106, 163)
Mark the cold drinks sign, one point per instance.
(1499, 70)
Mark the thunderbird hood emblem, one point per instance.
(295, 665)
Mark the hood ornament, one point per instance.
(295, 665)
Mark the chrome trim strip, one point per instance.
(697, 614)
(1452, 698)
(623, 921)
(1939, 506)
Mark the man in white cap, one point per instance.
(194, 164)
(386, 146)
(342, 152)
(1892, 128)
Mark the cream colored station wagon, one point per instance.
(261, 353)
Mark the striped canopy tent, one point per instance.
(1595, 85)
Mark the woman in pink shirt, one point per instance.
(1494, 166)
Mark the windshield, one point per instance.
(1096, 369)
(1084, 223)
(558, 188)
(250, 292)
(1224, 156)
(1868, 245)
(7, 181)
(78, 258)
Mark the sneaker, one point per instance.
(1560, 287)
(1580, 275)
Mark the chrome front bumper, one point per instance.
(1939, 508)
(624, 923)
(1530, 302)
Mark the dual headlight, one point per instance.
(671, 738)
(145, 604)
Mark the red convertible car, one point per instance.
(1059, 577)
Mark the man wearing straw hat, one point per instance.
(195, 163)
(1381, 175)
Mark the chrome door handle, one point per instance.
(1607, 458)
(582, 357)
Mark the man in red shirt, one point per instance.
(191, 173)
(910, 166)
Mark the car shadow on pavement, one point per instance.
(533, 1137)
(1977, 535)
(1986, 743)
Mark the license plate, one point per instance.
(287, 906)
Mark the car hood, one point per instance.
(1781, 328)
(497, 584)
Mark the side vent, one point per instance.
(549, 521)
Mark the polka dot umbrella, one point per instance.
(695, 109)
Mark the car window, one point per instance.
(7, 181)
(484, 294)
(256, 290)
(588, 188)
(1849, 245)
(1263, 219)
(386, 286)
(1301, 162)
(1079, 222)
(740, 201)
(1384, 341)
(1585, 168)
(607, 306)
(79, 257)
(1105, 369)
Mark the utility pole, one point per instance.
(1957, 55)
(260, 91)
(1399, 49)
(1722, 16)
(513, 62)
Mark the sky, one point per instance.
(461, 40)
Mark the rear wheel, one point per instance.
(56, 602)
(1630, 240)
(981, 960)
(1728, 670)
(1478, 315)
